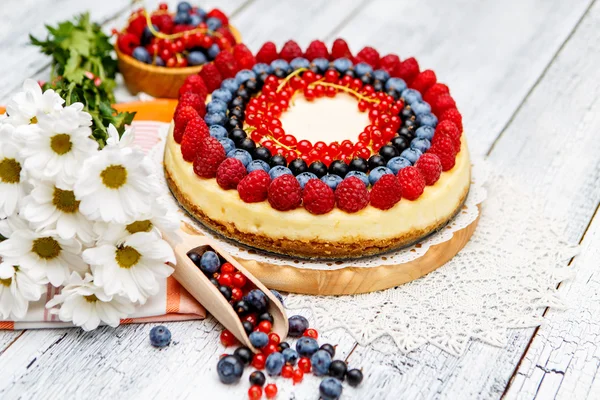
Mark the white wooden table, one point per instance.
(526, 76)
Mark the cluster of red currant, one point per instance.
(263, 112)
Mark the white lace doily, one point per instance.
(465, 217)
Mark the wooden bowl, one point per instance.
(157, 81)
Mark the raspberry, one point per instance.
(226, 64)
(218, 14)
(137, 25)
(211, 77)
(443, 147)
(389, 63)
(443, 103)
(243, 56)
(318, 197)
(431, 95)
(230, 173)
(351, 195)
(424, 81)
(267, 53)
(226, 33)
(194, 132)
(211, 153)
(127, 42)
(340, 49)
(407, 70)
(430, 166)
(386, 192)
(368, 55)
(194, 84)
(193, 100)
(290, 51)
(453, 115)
(178, 133)
(254, 187)
(182, 116)
(449, 128)
(316, 49)
(164, 22)
(412, 183)
(285, 193)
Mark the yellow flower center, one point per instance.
(114, 176)
(6, 282)
(61, 143)
(10, 171)
(127, 256)
(91, 298)
(33, 120)
(46, 248)
(139, 226)
(65, 201)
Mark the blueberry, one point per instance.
(257, 378)
(320, 362)
(304, 177)
(342, 64)
(381, 75)
(279, 170)
(332, 180)
(218, 132)
(354, 377)
(244, 354)
(216, 106)
(262, 68)
(227, 144)
(411, 96)
(160, 336)
(318, 168)
(328, 348)
(196, 58)
(337, 369)
(195, 20)
(248, 327)
(291, 356)
(306, 346)
(396, 84)
(274, 364)
(259, 339)
(362, 69)
(213, 51)
(330, 389)
(184, 6)
(147, 35)
(411, 154)
(397, 163)
(377, 173)
(159, 62)
(244, 75)
(257, 299)
(420, 144)
(281, 64)
(182, 18)
(420, 107)
(222, 94)
(320, 65)
(425, 132)
(278, 295)
(297, 325)
(141, 54)
(299, 62)
(360, 175)
(218, 118)
(213, 23)
(241, 155)
(209, 263)
(427, 120)
(230, 369)
(256, 165)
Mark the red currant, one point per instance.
(289, 140)
(287, 371)
(274, 338)
(250, 318)
(330, 91)
(269, 349)
(327, 160)
(363, 106)
(310, 332)
(265, 326)
(331, 76)
(225, 279)
(319, 91)
(271, 391)
(227, 338)
(304, 365)
(171, 62)
(255, 392)
(163, 6)
(236, 294)
(298, 376)
(258, 361)
(239, 280)
(309, 94)
(364, 153)
(309, 76)
(304, 146)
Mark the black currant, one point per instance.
(215, 282)
(410, 124)
(340, 168)
(388, 152)
(257, 378)
(247, 327)
(406, 133)
(328, 348)
(226, 292)
(251, 86)
(282, 346)
(237, 112)
(350, 73)
(359, 164)
(238, 102)
(337, 369)
(277, 159)
(237, 135)
(298, 166)
(266, 317)
(280, 73)
(376, 161)
(262, 153)
(244, 354)
(366, 79)
(195, 257)
(394, 94)
(233, 123)
(378, 86)
(243, 93)
(401, 143)
(242, 307)
(318, 168)
(248, 145)
(406, 113)
(354, 377)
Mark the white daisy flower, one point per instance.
(126, 140)
(87, 305)
(11, 224)
(116, 185)
(50, 208)
(44, 256)
(13, 184)
(17, 289)
(55, 150)
(28, 105)
(133, 267)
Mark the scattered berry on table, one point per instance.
(287, 371)
(271, 391)
(297, 325)
(337, 369)
(257, 378)
(304, 364)
(160, 336)
(330, 389)
(227, 339)
(306, 346)
(255, 392)
(230, 369)
(258, 361)
(274, 364)
(244, 354)
(354, 377)
(328, 348)
(311, 333)
(320, 361)
(297, 376)
(291, 356)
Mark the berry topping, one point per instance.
(443, 146)
(386, 192)
(210, 156)
(230, 173)
(424, 81)
(193, 100)
(254, 187)
(218, 14)
(160, 336)
(211, 76)
(290, 51)
(351, 195)
(407, 70)
(340, 49)
(389, 63)
(267, 53)
(431, 95)
(195, 131)
(226, 64)
(243, 56)
(316, 49)
(411, 182)
(182, 116)
(443, 103)
(194, 84)
(368, 55)
(430, 167)
(318, 197)
(285, 193)
(453, 115)
(449, 128)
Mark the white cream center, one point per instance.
(325, 119)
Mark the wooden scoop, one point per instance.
(188, 239)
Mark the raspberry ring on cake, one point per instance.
(319, 155)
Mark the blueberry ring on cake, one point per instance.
(318, 154)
